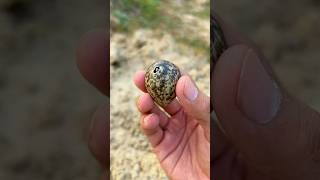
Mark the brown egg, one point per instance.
(160, 80)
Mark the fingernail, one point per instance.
(190, 90)
(258, 95)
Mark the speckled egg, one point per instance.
(160, 80)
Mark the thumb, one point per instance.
(273, 132)
(195, 103)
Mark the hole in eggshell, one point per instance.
(155, 69)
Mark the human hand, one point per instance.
(265, 134)
(92, 61)
(180, 140)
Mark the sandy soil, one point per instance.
(131, 155)
(45, 105)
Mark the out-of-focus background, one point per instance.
(45, 105)
(288, 33)
(143, 31)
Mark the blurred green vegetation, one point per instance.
(155, 14)
(134, 13)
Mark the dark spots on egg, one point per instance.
(156, 70)
(160, 80)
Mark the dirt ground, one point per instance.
(131, 155)
(45, 104)
(287, 32)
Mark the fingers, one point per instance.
(194, 102)
(152, 119)
(150, 125)
(93, 60)
(173, 108)
(99, 137)
(271, 129)
(138, 79)
(146, 105)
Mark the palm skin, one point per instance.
(184, 150)
(179, 141)
(229, 166)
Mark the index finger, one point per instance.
(93, 60)
(139, 80)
